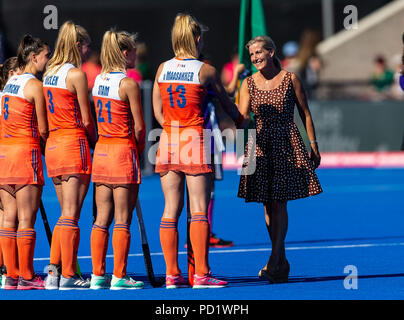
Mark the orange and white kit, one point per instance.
(67, 149)
(116, 157)
(181, 146)
(20, 152)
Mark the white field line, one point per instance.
(348, 246)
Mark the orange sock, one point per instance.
(169, 245)
(26, 246)
(8, 238)
(120, 244)
(69, 244)
(1, 256)
(99, 246)
(55, 252)
(199, 235)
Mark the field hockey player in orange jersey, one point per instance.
(178, 94)
(7, 70)
(23, 124)
(116, 167)
(67, 154)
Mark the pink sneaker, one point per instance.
(35, 283)
(207, 281)
(10, 283)
(174, 282)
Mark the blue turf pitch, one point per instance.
(357, 221)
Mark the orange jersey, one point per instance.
(18, 114)
(181, 146)
(20, 153)
(114, 117)
(182, 93)
(63, 109)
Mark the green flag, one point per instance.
(252, 24)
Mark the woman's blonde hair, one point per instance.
(183, 35)
(267, 44)
(113, 45)
(66, 50)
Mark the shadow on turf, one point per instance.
(255, 281)
(324, 241)
(333, 278)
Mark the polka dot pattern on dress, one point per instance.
(277, 165)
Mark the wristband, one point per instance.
(313, 141)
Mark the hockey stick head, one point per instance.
(158, 282)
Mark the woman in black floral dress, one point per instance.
(277, 166)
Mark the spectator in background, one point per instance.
(382, 77)
(227, 73)
(231, 74)
(308, 64)
(141, 62)
(290, 50)
(135, 74)
(92, 68)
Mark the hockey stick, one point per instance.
(45, 223)
(190, 251)
(155, 282)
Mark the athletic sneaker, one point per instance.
(100, 282)
(53, 277)
(207, 281)
(125, 283)
(174, 282)
(10, 283)
(74, 283)
(35, 283)
(216, 242)
(3, 272)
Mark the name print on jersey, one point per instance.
(51, 80)
(103, 90)
(11, 88)
(179, 76)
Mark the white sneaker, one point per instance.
(53, 278)
(74, 283)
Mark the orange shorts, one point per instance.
(183, 150)
(67, 152)
(21, 162)
(116, 161)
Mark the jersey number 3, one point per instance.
(182, 101)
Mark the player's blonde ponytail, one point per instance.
(112, 50)
(66, 50)
(183, 35)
